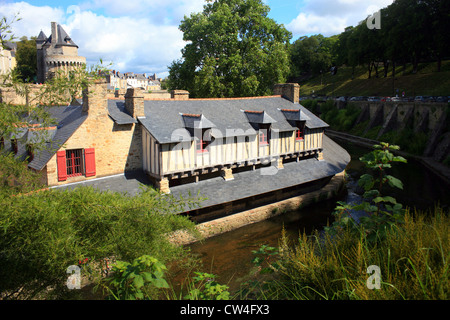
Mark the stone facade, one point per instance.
(57, 52)
(118, 148)
(289, 91)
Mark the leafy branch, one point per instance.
(382, 211)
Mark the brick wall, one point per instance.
(118, 148)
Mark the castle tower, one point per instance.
(56, 52)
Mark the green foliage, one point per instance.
(313, 54)
(15, 177)
(26, 57)
(262, 256)
(67, 85)
(42, 234)
(6, 34)
(338, 119)
(205, 287)
(410, 141)
(138, 280)
(234, 50)
(413, 259)
(381, 212)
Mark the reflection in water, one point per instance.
(229, 255)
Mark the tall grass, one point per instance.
(413, 259)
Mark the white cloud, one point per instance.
(143, 35)
(330, 17)
(33, 19)
(133, 40)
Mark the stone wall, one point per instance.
(154, 95)
(9, 95)
(118, 148)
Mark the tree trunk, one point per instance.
(386, 67)
(375, 65)
(370, 69)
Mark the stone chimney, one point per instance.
(180, 95)
(134, 102)
(54, 32)
(290, 91)
(95, 102)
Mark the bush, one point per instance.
(46, 232)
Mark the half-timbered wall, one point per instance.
(172, 158)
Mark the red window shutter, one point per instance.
(62, 168)
(89, 161)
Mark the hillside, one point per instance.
(425, 82)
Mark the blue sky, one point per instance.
(142, 35)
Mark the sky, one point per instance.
(142, 36)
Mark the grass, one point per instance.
(413, 261)
(425, 82)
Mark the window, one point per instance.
(300, 133)
(264, 134)
(74, 162)
(204, 141)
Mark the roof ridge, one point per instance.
(237, 98)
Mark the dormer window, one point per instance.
(204, 141)
(261, 121)
(264, 134)
(297, 119)
(200, 128)
(300, 132)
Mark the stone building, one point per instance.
(57, 52)
(232, 150)
(7, 57)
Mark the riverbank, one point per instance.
(438, 168)
(225, 224)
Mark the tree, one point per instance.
(312, 54)
(233, 50)
(26, 68)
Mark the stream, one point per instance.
(229, 255)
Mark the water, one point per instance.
(229, 255)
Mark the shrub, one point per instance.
(44, 233)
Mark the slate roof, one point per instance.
(269, 179)
(117, 112)
(259, 117)
(295, 115)
(164, 121)
(68, 119)
(63, 38)
(197, 121)
(41, 36)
